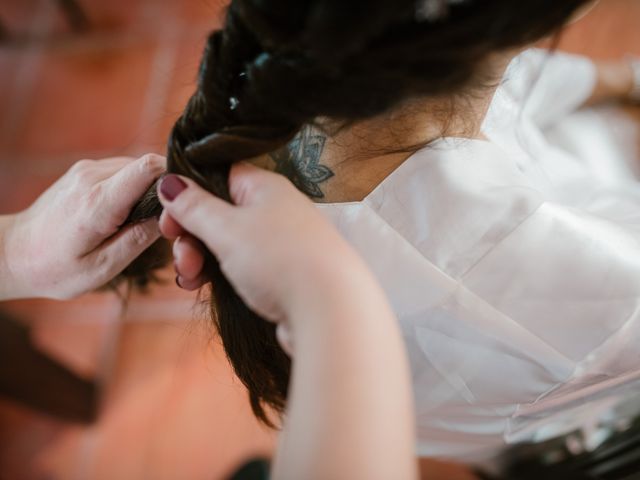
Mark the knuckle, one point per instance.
(101, 261)
(95, 195)
(101, 270)
(151, 162)
(139, 235)
(81, 171)
(81, 166)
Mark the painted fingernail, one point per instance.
(171, 186)
(178, 281)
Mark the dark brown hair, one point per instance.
(277, 65)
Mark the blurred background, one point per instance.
(91, 79)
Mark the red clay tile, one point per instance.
(158, 90)
(211, 415)
(180, 29)
(165, 302)
(75, 333)
(206, 14)
(34, 447)
(22, 67)
(182, 86)
(609, 31)
(18, 191)
(8, 64)
(173, 409)
(192, 16)
(17, 15)
(199, 18)
(117, 15)
(86, 102)
(79, 344)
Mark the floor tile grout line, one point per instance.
(26, 75)
(159, 86)
(90, 442)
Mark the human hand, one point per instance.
(273, 245)
(71, 239)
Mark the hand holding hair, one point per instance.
(270, 242)
(70, 241)
(292, 267)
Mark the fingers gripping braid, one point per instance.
(207, 139)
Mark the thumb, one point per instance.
(199, 212)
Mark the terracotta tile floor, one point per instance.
(611, 30)
(119, 74)
(171, 408)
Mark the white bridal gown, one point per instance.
(513, 264)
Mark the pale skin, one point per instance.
(71, 240)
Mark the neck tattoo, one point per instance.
(299, 161)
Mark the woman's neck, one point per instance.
(332, 168)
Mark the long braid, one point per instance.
(205, 141)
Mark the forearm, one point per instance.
(350, 409)
(615, 81)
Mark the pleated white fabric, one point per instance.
(513, 264)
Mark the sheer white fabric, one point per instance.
(513, 264)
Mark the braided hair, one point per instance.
(277, 65)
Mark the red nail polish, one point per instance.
(171, 186)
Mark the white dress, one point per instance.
(513, 265)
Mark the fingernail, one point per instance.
(171, 186)
(175, 267)
(178, 281)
